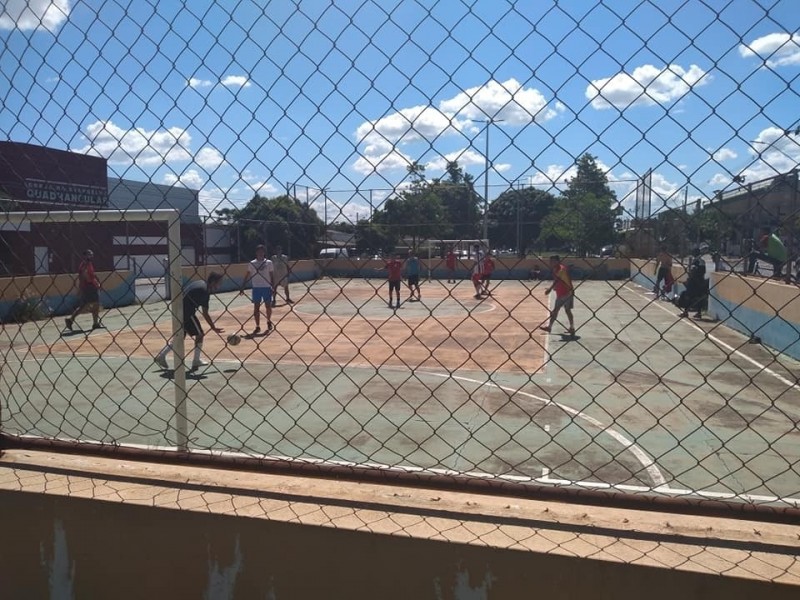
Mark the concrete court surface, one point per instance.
(637, 398)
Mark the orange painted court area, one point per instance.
(348, 323)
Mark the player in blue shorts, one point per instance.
(261, 273)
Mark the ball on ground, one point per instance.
(234, 339)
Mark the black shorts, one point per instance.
(90, 295)
(394, 286)
(192, 327)
(413, 280)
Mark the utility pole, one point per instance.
(488, 122)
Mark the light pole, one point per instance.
(488, 122)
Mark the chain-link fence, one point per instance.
(541, 248)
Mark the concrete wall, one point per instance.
(77, 527)
(758, 307)
(753, 306)
(300, 270)
(59, 292)
(505, 268)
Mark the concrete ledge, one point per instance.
(85, 527)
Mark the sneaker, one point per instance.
(478, 296)
(98, 325)
(198, 364)
(289, 301)
(68, 323)
(257, 330)
(161, 361)
(698, 316)
(545, 328)
(571, 331)
(269, 326)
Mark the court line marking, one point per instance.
(641, 456)
(644, 459)
(478, 310)
(716, 340)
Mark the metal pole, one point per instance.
(519, 241)
(176, 287)
(486, 185)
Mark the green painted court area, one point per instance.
(638, 398)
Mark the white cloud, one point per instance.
(647, 85)
(28, 15)
(235, 81)
(140, 146)
(720, 179)
(724, 154)
(199, 83)
(209, 158)
(777, 49)
(377, 160)
(465, 157)
(774, 151)
(190, 179)
(508, 101)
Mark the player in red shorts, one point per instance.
(565, 294)
(89, 292)
(450, 262)
(395, 268)
(488, 269)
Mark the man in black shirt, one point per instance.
(196, 295)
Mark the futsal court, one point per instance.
(638, 398)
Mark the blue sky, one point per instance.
(234, 98)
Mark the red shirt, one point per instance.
(89, 280)
(488, 265)
(451, 260)
(395, 269)
(563, 282)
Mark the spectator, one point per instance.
(770, 249)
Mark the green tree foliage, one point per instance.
(522, 210)
(583, 217)
(461, 203)
(416, 213)
(271, 221)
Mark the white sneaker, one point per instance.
(199, 363)
(161, 361)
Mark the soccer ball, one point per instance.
(234, 339)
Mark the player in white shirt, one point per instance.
(261, 273)
(280, 268)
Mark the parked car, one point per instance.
(333, 253)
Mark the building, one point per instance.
(772, 202)
(34, 178)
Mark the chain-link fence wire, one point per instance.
(763, 552)
(463, 148)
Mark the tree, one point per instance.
(519, 210)
(461, 203)
(271, 221)
(583, 217)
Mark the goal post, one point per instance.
(175, 279)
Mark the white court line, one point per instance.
(718, 341)
(648, 463)
(653, 470)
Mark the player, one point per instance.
(488, 269)
(196, 294)
(565, 294)
(88, 290)
(450, 263)
(261, 273)
(280, 268)
(477, 271)
(412, 276)
(394, 266)
(663, 273)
